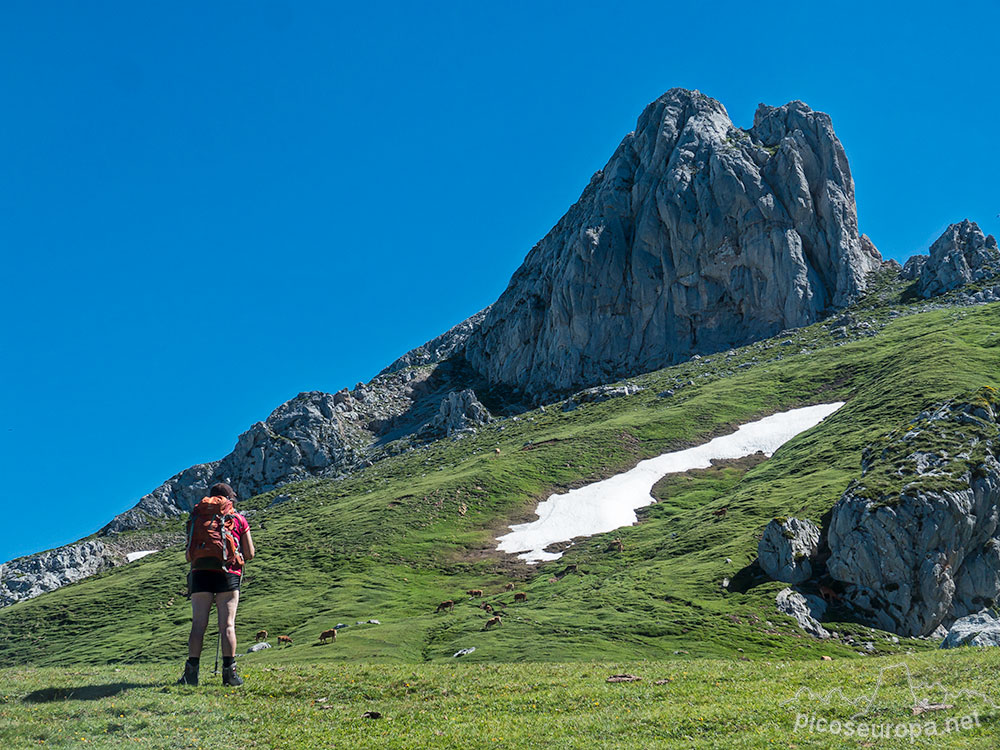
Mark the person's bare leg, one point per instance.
(226, 603)
(201, 607)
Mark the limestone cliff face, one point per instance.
(696, 236)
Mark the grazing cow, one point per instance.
(492, 621)
(261, 636)
(520, 596)
(509, 587)
(330, 634)
(616, 545)
(721, 512)
(475, 593)
(496, 451)
(445, 605)
(829, 595)
(486, 606)
(284, 639)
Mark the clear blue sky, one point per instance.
(206, 208)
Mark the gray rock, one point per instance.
(961, 255)
(805, 608)
(913, 267)
(786, 550)
(979, 629)
(696, 236)
(30, 576)
(602, 393)
(258, 647)
(923, 549)
(460, 411)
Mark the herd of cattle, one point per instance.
(519, 596)
(449, 605)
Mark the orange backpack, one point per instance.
(210, 532)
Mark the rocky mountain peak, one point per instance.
(696, 236)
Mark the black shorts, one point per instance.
(213, 581)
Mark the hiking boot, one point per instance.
(230, 678)
(190, 675)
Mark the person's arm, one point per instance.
(248, 549)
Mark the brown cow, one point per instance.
(328, 634)
(616, 544)
(492, 621)
(445, 605)
(486, 606)
(509, 587)
(497, 451)
(261, 636)
(284, 639)
(721, 512)
(520, 596)
(475, 593)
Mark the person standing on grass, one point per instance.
(219, 544)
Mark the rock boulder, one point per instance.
(980, 629)
(786, 550)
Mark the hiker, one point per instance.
(219, 544)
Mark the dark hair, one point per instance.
(221, 489)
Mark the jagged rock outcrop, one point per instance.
(440, 348)
(460, 412)
(961, 255)
(807, 610)
(786, 549)
(27, 577)
(696, 236)
(916, 538)
(980, 629)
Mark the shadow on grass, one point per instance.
(83, 692)
(749, 577)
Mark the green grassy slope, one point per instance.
(676, 704)
(394, 540)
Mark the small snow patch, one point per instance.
(133, 556)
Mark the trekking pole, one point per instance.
(218, 648)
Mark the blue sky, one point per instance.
(206, 208)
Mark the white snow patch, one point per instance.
(133, 556)
(610, 504)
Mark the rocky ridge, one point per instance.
(315, 434)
